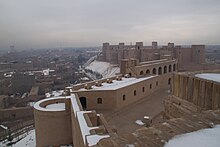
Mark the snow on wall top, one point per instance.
(51, 108)
(85, 129)
(209, 76)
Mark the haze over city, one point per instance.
(80, 23)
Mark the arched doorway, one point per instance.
(83, 102)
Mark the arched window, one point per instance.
(159, 70)
(148, 71)
(174, 67)
(99, 100)
(170, 68)
(165, 69)
(150, 86)
(157, 83)
(154, 71)
(143, 89)
(124, 97)
(135, 92)
(141, 73)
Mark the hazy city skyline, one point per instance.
(78, 23)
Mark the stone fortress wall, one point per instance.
(201, 92)
(105, 94)
(144, 70)
(189, 58)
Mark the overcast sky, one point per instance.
(79, 23)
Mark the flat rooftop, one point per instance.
(117, 84)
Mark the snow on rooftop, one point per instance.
(57, 106)
(54, 93)
(46, 72)
(52, 107)
(118, 84)
(104, 68)
(209, 76)
(201, 138)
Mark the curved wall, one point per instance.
(53, 127)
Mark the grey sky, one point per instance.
(55, 23)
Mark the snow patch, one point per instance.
(3, 127)
(139, 122)
(54, 93)
(104, 68)
(58, 106)
(209, 76)
(94, 139)
(200, 138)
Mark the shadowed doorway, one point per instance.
(83, 102)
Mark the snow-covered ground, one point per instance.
(209, 76)
(104, 68)
(200, 138)
(27, 141)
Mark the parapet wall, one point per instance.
(15, 113)
(94, 83)
(201, 92)
(136, 69)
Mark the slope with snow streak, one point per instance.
(104, 68)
